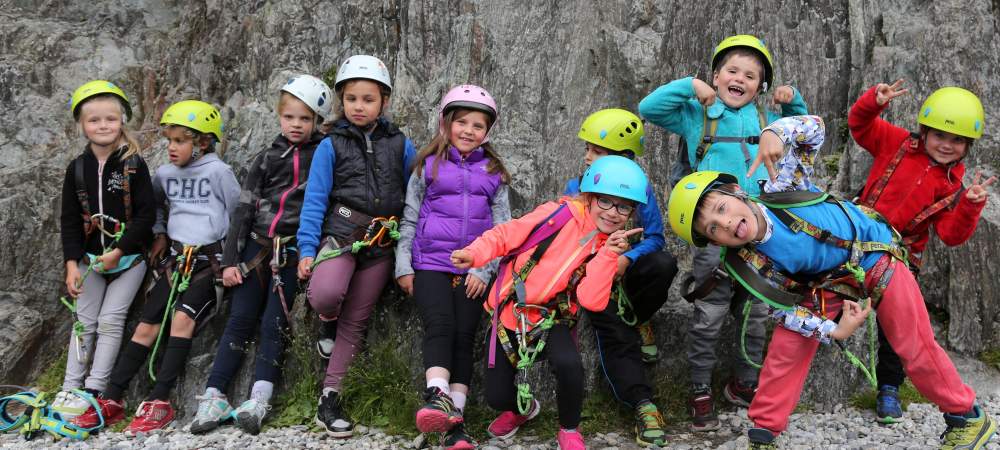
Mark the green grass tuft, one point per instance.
(297, 404)
(378, 390)
(51, 380)
(991, 356)
(907, 394)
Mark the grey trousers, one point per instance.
(101, 308)
(710, 315)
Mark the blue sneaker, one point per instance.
(888, 410)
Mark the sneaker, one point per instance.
(69, 405)
(331, 416)
(112, 411)
(325, 347)
(251, 414)
(701, 406)
(649, 425)
(151, 415)
(570, 440)
(438, 414)
(649, 351)
(887, 407)
(967, 433)
(738, 393)
(212, 412)
(761, 439)
(456, 439)
(507, 423)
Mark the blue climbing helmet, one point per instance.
(617, 176)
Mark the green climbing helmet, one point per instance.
(614, 129)
(196, 115)
(94, 88)
(954, 110)
(684, 200)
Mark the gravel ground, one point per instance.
(845, 428)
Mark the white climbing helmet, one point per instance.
(313, 92)
(363, 66)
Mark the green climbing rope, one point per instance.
(179, 282)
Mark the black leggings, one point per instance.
(450, 322)
(566, 364)
(618, 344)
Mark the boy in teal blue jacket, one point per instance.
(722, 136)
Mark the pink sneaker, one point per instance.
(570, 440)
(507, 423)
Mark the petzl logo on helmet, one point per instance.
(597, 178)
(625, 186)
(681, 220)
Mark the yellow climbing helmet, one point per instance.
(196, 115)
(954, 110)
(94, 88)
(746, 41)
(684, 201)
(614, 129)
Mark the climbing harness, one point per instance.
(910, 230)
(755, 272)
(179, 282)
(129, 166)
(381, 232)
(708, 137)
(35, 416)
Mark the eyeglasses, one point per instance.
(622, 208)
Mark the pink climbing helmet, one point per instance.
(469, 96)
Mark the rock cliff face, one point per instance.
(548, 63)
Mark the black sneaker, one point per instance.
(332, 418)
(761, 439)
(456, 439)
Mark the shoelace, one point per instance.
(702, 405)
(205, 406)
(953, 435)
(652, 419)
(891, 402)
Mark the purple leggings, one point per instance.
(338, 291)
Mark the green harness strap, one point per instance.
(754, 272)
(179, 282)
(372, 237)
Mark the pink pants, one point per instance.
(904, 320)
(337, 290)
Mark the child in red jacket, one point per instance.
(916, 182)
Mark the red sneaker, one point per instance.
(570, 440)
(151, 415)
(507, 423)
(112, 411)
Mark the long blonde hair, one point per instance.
(439, 149)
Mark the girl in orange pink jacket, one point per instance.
(556, 259)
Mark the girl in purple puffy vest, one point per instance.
(458, 190)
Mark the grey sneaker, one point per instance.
(212, 412)
(250, 414)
